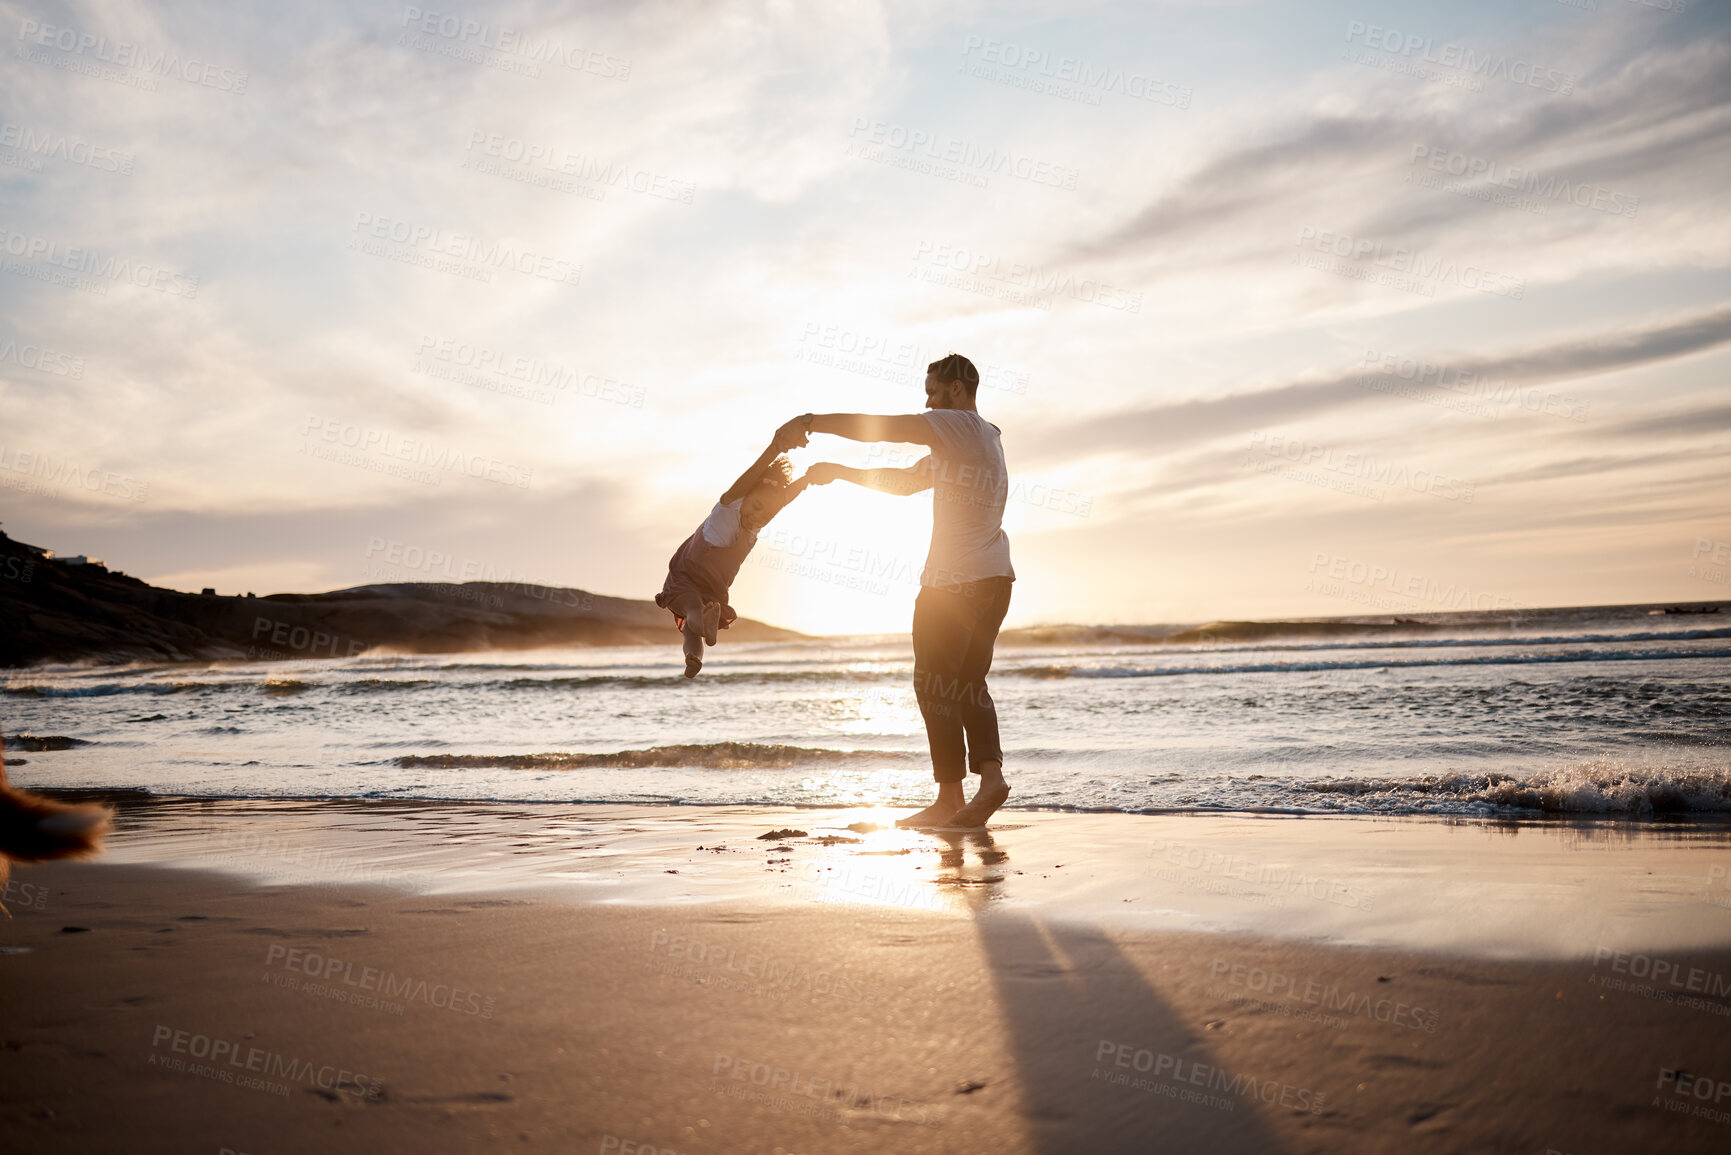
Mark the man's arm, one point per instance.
(901, 482)
(912, 428)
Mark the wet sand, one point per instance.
(367, 978)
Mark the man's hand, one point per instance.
(823, 472)
(790, 436)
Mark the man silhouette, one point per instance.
(965, 586)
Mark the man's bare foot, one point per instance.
(711, 621)
(937, 814)
(692, 665)
(990, 796)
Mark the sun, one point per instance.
(840, 560)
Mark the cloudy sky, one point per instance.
(1283, 309)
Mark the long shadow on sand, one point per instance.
(1067, 992)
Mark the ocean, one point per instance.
(1622, 712)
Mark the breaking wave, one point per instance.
(1600, 788)
(1664, 655)
(706, 756)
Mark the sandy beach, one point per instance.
(267, 977)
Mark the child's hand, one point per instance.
(822, 473)
(790, 436)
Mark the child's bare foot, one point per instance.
(711, 621)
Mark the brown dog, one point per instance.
(35, 829)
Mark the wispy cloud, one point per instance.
(1659, 117)
(1161, 427)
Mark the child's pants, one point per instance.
(689, 606)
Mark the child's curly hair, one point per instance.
(779, 473)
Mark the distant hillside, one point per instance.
(51, 610)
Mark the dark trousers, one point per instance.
(954, 631)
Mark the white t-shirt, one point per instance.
(721, 528)
(970, 484)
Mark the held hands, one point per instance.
(822, 473)
(792, 435)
